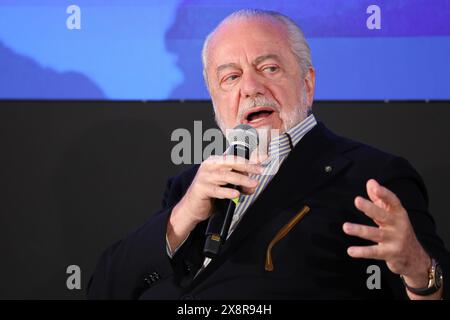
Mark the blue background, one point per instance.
(150, 50)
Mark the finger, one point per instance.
(382, 196)
(228, 159)
(237, 164)
(366, 252)
(219, 192)
(248, 191)
(235, 178)
(371, 210)
(364, 232)
(258, 157)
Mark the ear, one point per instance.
(310, 84)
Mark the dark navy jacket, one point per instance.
(310, 262)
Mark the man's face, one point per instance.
(254, 77)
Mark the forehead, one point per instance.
(247, 38)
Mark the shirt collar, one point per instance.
(285, 142)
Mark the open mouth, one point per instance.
(258, 114)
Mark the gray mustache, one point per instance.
(259, 101)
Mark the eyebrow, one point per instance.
(225, 66)
(265, 57)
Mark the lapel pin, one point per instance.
(328, 169)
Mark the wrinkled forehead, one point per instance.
(265, 33)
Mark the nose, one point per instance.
(251, 85)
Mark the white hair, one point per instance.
(295, 35)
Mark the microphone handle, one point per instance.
(220, 220)
(229, 212)
(218, 226)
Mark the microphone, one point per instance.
(243, 139)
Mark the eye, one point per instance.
(230, 78)
(270, 69)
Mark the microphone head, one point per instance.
(243, 135)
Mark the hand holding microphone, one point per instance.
(216, 178)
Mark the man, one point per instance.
(317, 229)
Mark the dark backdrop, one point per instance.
(75, 175)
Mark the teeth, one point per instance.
(260, 118)
(257, 116)
(257, 119)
